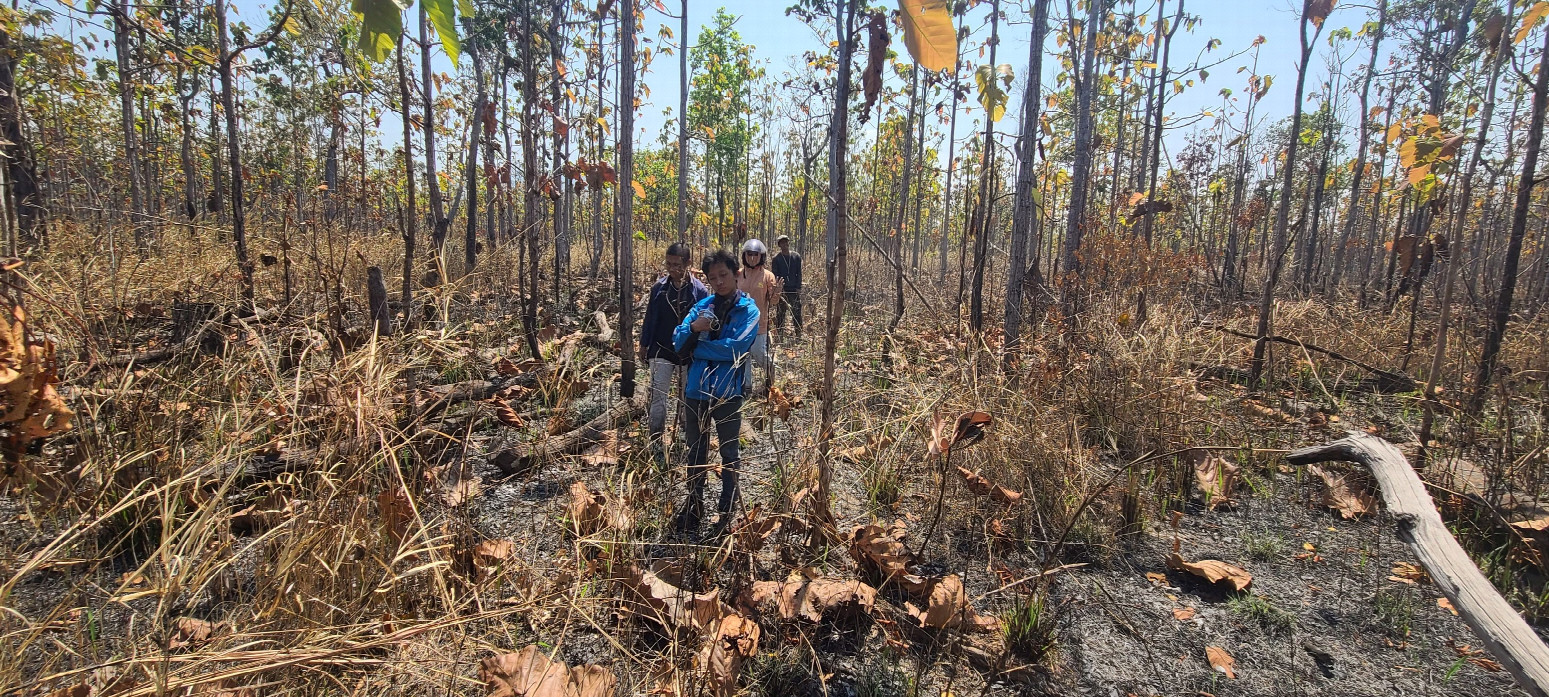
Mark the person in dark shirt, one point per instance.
(671, 298)
(787, 268)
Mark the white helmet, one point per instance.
(756, 247)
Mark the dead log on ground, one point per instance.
(521, 458)
(1387, 381)
(1507, 636)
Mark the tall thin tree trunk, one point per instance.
(1081, 167)
(1363, 138)
(26, 198)
(439, 219)
(1519, 218)
(530, 175)
(838, 180)
(624, 207)
(907, 180)
(476, 131)
(982, 228)
(946, 216)
(1024, 214)
(1283, 210)
(411, 214)
(126, 94)
(683, 127)
(234, 154)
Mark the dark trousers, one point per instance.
(792, 299)
(726, 414)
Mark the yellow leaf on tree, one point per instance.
(1530, 20)
(1418, 174)
(929, 34)
(639, 190)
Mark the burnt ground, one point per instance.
(1322, 616)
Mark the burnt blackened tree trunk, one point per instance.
(1081, 168)
(624, 206)
(530, 183)
(1024, 214)
(1519, 218)
(21, 170)
(479, 129)
(903, 200)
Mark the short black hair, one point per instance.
(719, 256)
(680, 250)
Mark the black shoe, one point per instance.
(687, 520)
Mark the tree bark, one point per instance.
(1519, 218)
(1283, 210)
(838, 220)
(1075, 222)
(1025, 216)
(624, 208)
(234, 151)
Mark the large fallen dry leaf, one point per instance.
(591, 511)
(984, 487)
(968, 430)
(735, 640)
(669, 605)
(947, 608)
(754, 529)
(1212, 571)
(1221, 661)
(882, 551)
(488, 555)
(781, 404)
(454, 484)
(28, 399)
(1214, 479)
(807, 598)
(1343, 495)
(188, 631)
(530, 673)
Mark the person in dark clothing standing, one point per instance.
(671, 298)
(787, 268)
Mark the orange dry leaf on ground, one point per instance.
(1221, 661)
(1213, 571)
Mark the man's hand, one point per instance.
(701, 323)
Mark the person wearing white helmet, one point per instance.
(759, 283)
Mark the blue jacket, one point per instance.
(719, 356)
(667, 307)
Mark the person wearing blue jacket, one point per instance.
(717, 335)
(671, 299)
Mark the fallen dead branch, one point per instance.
(1387, 381)
(1503, 631)
(521, 458)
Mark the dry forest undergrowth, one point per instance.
(285, 507)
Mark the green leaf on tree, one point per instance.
(381, 23)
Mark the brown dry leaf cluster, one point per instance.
(807, 598)
(882, 553)
(529, 673)
(1405, 572)
(190, 632)
(755, 529)
(736, 640)
(1212, 571)
(591, 511)
(655, 599)
(488, 555)
(781, 404)
(984, 487)
(1215, 479)
(969, 429)
(947, 607)
(1344, 495)
(29, 404)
